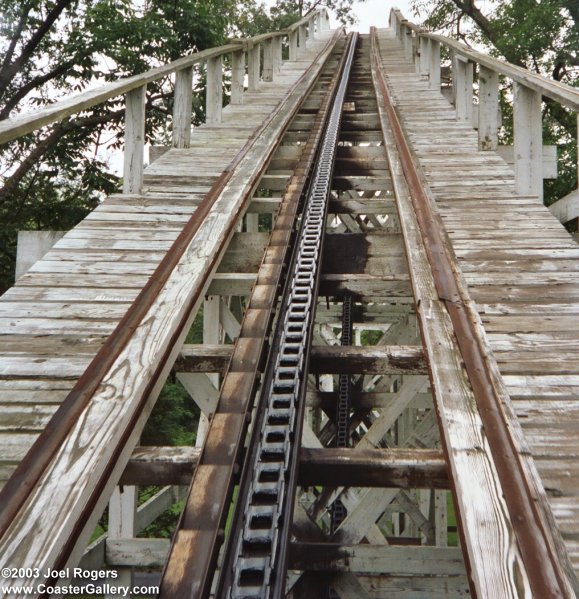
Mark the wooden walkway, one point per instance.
(522, 270)
(57, 316)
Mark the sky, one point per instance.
(376, 12)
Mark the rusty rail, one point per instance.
(543, 570)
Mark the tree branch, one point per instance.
(8, 73)
(16, 36)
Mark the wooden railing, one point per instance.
(134, 89)
(528, 89)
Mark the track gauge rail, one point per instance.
(255, 562)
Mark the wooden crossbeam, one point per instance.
(323, 359)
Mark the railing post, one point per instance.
(416, 52)
(182, 108)
(293, 45)
(267, 73)
(407, 41)
(434, 68)
(134, 140)
(318, 23)
(253, 65)
(302, 38)
(528, 131)
(462, 80)
(277, 56)
(237, 76)
(214, 96)
(312, 28)
(488, 109)
(424, 55)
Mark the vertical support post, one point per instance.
(312, 28)
(214, 98)
(416, 53)
(318, 22)
(462, 80)
(407, 41)
(277, 57)
(253, 65)
(122, 525)
(182, 108)
(424, 55)
(302, 38)
(434, 69)
(211, 335)
(134, 140)
(267, 74)
(528, 130)
(440, 519)
(237, 76)
(293, 45)
(488, 109)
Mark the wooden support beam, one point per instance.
(214, 94)
(488, 109)
(434, 67)
(161, 466)
(253, 67)
(267, 73)
(134, 140)
(408, 469)
(293, 45)
(527, 124)
(377, 559)
(182, 108)
(462, 80)
(323, 359)
(237, 76)
(424, 43)
(302, 38)
(277, 55)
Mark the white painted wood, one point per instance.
(566, 208)
(32, 246)
(237, 76)
(407, 42)
(230, 324)
(434, 68)
(488, 110)
(441, 518)
(122, 520)
(134, 140)
(425, 60)
(277, 55)
(312, 28)
(211, 334)
(462, 79)
(267, 73)
(302, 38)
(253, 67)
(293, 45)
(548, 159)
(202, 389)
(182, 108)
(214, 94)
(527, 123)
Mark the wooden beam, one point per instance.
(323, 359)
(462, 80)
(182, 108)
(377, 559)
(404, 468)
(528, 131)
(161, 466)
(267, 74)
(488, 110)
(237, 76)
(214, 94)
(253, 67)
(134, 140)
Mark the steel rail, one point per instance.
(541, 564)
(30, 469)
(190, 568)
(255, 561)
